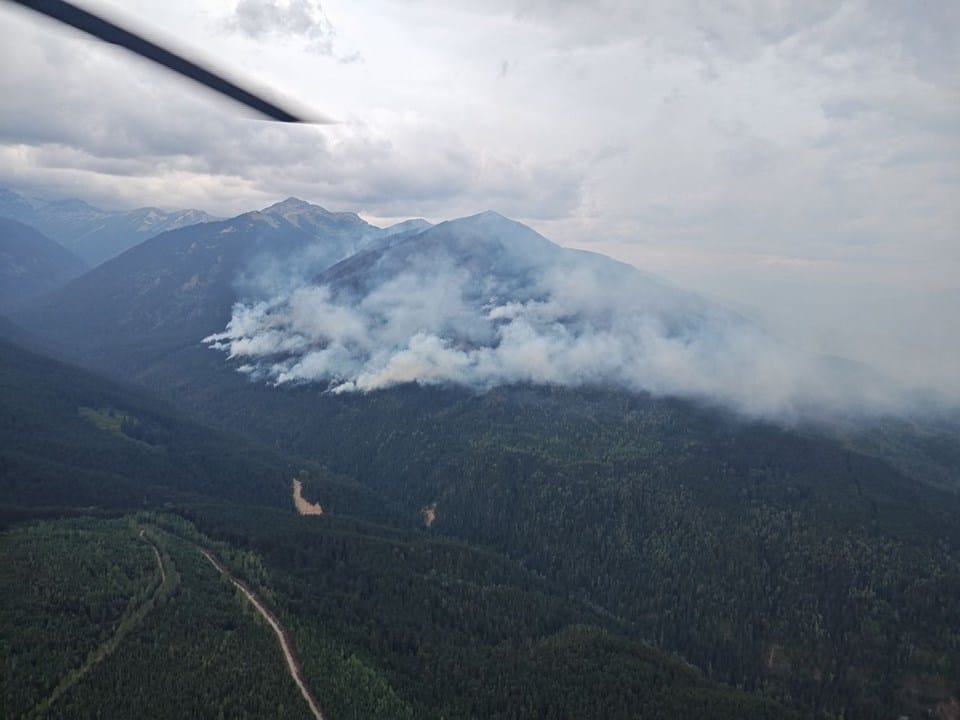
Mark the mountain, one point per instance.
(484, 301)
(506, 258)
(172, 290)
(408, 226)
(93, 234)
(71, 439)
(311, 295)
(60, 219)
(31, 263)
(110, 235)
(626, 443)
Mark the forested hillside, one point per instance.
(133, 642)
(389, 622)
(779, 562)
(71, 439)
(775, 562)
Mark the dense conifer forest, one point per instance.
(587, 554)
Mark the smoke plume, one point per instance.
(484, 301)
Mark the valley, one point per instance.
(407, 472)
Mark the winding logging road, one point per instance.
(130, 620)
(292, 664)
(156, 552)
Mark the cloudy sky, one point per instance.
(798, 160)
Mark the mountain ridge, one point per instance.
(479, 300)
(93, 234)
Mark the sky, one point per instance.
(798, 161)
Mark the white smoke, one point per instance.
(576, 319)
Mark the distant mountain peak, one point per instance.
(293, 204)
(296, 211)
(489, 221)
(31, 263)
(411, 225)
(490, 232)
(488, 215)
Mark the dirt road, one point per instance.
(131, 620)
(163, 573)
(281, 633)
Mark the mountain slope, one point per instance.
(496, 301)
(72, 439)
(172, 290)
(388, 622)
(31, 263)
(781, 563)
(479, 301)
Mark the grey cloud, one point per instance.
(924, 34)
(709, 31)
(99, 118)
(268, 19)
(922, 37)
(844, 108)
